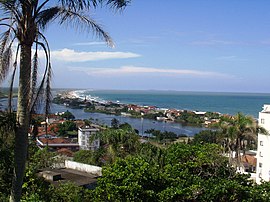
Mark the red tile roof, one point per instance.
(251, 160)
(54, 140)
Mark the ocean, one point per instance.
(225, 103)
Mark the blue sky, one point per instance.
(185, 45)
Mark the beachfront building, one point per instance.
(263, 152)
(84, 135)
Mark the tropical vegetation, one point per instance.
(137, 171)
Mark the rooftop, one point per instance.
(68, 175)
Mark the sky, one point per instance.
(183, 45)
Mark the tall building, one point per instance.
(84, 135)
(263, 151)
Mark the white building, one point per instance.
(84, 135)
(263, 152)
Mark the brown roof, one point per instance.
(65, 151)
(251, 160)
(54, 140)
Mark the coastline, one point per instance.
(225, 103)
(77, 99)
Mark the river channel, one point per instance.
(140, 124)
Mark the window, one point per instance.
(262, 121)
(261, 154)
(260, 165)
(260, 175)
(261, 143)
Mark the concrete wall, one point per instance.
(83, 167)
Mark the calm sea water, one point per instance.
(226, 103)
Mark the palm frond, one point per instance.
(10, 8)
(37, 98)
(5, 63)
(34, 72)
(45, 16)
(118, 4)
(48, 94)
(78, 5)
(80, 21)
(39, 8)
(10, 97)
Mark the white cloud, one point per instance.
(69, 55)
(131, 70)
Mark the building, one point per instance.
(84, 135)
(56, 143)
(263, 152)
(80, 174)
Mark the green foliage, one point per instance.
(115, 123)
(117, 143)
(68, 115)
(207, 136)
(151, 154)
(188, 173)
(160, 136)
(135, 114)
(126, 127)
(65, 127)
(67, 192)
(190, 118)
(238, 133)
(130, 179)
(35, 188)
(212, 115)
(260, 193)
(153, 115)
(7, 134)
(90, 157)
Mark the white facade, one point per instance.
(263, 152)
(84, 134)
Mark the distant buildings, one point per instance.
(263, 152)
(84, 135)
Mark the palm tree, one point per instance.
(118, 142)
(238, 130)
(23, 22)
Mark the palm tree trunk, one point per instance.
(238, 148)
(21, 136)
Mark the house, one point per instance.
(263, 151)
(84, 135)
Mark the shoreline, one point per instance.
(73, 99)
